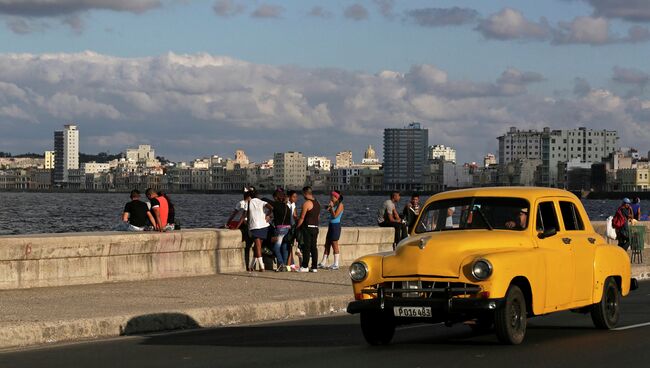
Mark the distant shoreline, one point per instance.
(584, 195)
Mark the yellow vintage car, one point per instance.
(492, 257)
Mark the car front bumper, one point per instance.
(441, 308)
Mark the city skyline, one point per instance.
(318, 77)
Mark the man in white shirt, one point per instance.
(388, 217)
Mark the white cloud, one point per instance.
(263, 108)
(510, 24)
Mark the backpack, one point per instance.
(381, 216)
(619, 220)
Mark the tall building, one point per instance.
(343, 160)
(66, 153)
(289, 170)
(319, 162)
(405, 156)
(442, 151)
(580, 145)
(49, 160)
(519, 145)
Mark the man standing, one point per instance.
(411, 211)
(388, 217)
(620, 222)
(308, 224)
(136, 213)
(159, 208)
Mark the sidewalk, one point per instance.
(49, 315)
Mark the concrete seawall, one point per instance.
(86, 258)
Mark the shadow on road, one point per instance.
(342, 335)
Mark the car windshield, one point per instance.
(467, 213)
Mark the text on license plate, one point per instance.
(412, 311)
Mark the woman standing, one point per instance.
(282, 224)
(258, 225)
(335, 210)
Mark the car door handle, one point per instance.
(592, 240)
(566, 240)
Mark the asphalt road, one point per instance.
(559, 340)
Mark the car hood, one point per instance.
(440, 254)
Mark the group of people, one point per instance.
(159, 214)
(388, 215)
(277, 224)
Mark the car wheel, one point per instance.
(606, 313)
(510, 319)
(377, 328)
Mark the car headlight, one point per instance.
(481, 269)
(358, 271)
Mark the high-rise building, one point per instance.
(289, 170)
(580, 145)
(405, 156)
(519, 145)
(241, 158)
(319, 162)
(66, 153)
(49, 160)
(343, 160)
(442, 151)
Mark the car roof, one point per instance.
(528, 193)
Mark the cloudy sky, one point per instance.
(196, 78)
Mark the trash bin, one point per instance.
(637, 243)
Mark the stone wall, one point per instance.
(84, 258)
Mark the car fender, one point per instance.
(374, 264)
(610, 260)
(506, 267)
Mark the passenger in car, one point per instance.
(520, 222)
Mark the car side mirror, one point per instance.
(547, 233)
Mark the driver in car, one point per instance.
(520, 222)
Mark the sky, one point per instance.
(203, 77)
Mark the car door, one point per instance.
(584, 250)
(558, 256)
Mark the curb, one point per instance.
(641, 272)
(40, 333)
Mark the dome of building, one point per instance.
(370, 153)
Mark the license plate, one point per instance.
(417, 312)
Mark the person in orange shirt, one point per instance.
(159, 208)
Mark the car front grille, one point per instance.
(423, 289)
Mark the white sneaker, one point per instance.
(322, 266)
(303, 269)
(314, 270)
(334, 267)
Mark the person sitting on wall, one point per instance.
(136, 215)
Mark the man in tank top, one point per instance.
(308, 225)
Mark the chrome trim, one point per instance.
(489, 268)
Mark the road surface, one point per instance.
(560, 340)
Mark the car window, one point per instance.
(546, 217)
(474, 213)
(571, 217)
